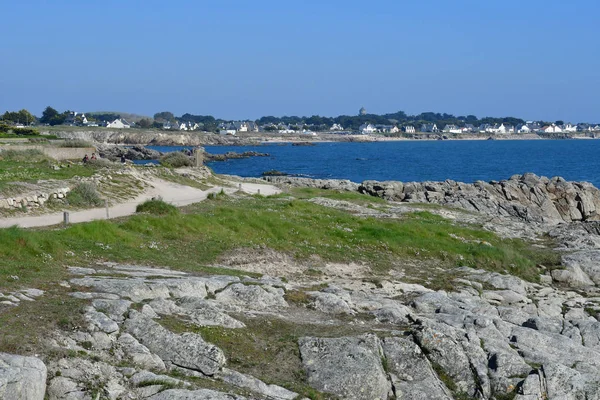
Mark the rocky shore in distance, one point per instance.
(526, 197)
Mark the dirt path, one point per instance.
(176, 194)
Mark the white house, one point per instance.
(509, 129)
(75, 118)
(387, 128)
(367, 129)
(569, 128)
(118, 124)
(452, 129)
(228, 129)
(429, 128)
(336, 127)
(409, 129)
(552, 129)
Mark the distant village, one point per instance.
(427, 130)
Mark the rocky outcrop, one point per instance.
(526, 197)
(22, 378)
(151, 137)
(333, 184)
(114, 153)
(232, 155)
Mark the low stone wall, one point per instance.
(58, 153)
(33, 200)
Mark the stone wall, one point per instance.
(33, 200)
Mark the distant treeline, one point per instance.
(354, 122)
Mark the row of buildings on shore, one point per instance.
(502, 129)
(232, 128)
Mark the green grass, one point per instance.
(156, 207)
(194, 238)
(354, 197)
(33, 166)
(84, 194)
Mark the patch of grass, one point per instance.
(297, 297)
(24, 328)
(156, 207)
(33, 166)
(195, 237)
(181, 179)
(267, 348)
(84, 194)
(353, 197)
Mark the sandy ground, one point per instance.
(170, 192)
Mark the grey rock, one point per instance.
(349, 367)
(61, 388)
(101, 321)
(139, 354)
(252, 297)
(22, 378)
(115, 309)
(248, 382)
(188, 350)
(411, 373)
(330, 303)
(201, 394)
(445, 346)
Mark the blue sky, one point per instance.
(244, 59)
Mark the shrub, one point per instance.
(175, 159)
(156, 207)
(217, 196)
(84, 194)
(101, 162)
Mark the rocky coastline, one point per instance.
(491, 336)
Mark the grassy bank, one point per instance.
(193, 239)
(33, 166)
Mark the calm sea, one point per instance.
(464, 161)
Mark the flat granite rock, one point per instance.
(22, 378)
(349, 367)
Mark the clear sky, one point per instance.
(535, 59)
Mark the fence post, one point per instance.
(106, 206)
(259, 191)
(66, 218)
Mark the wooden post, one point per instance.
(106, 206)
(259, 191)
(66, 218)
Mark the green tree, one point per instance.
(144, 123)
(164, 116)
(49, 115)
(560, 122)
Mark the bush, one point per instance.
(156, 207)
(101, 162)
(176, 159)
(84, 195)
